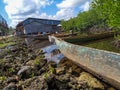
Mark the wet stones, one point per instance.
(11, 83)
(38, 84)
(26, 69)
(11, 86)
(35, 83)
(24, 72)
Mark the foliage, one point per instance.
(8, 51)
(6, 30)
(2, 61)
(2, 78)
(102, 13)
(3, 29)
(82, 34)
(11, 30)
(68, 25)
(6, 42)
(108, 10)
(117, 37)
(51, 70)
(38, 59)
(10, 70)
(32, 75)
(83, 21)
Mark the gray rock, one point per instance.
(23, 69)
(12, 79)
(38, 84)
(25, 72)
(11, 86)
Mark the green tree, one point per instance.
(109, 10)
(11, 30)
(102, 14)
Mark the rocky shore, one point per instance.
(24, 68)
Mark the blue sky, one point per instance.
(3, 12)
(15, 11)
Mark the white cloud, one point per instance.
(67, 8)
(19, 10)
(64, 14)
(71, 3)
(86, 6)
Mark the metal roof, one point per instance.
(43, 21)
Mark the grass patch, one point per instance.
(104, 45)
(2, 78)
(38, 59)
(86, 39)
(51, 70)
(6, 44)
(2, 61)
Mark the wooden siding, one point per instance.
(36, 27)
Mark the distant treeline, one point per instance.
(102, 14)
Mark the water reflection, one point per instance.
(52, 53)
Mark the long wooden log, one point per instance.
(105, 65)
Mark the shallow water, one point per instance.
(52, 53)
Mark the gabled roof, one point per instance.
(43, 21)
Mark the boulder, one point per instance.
(91, 81)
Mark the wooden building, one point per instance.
(37, 26)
